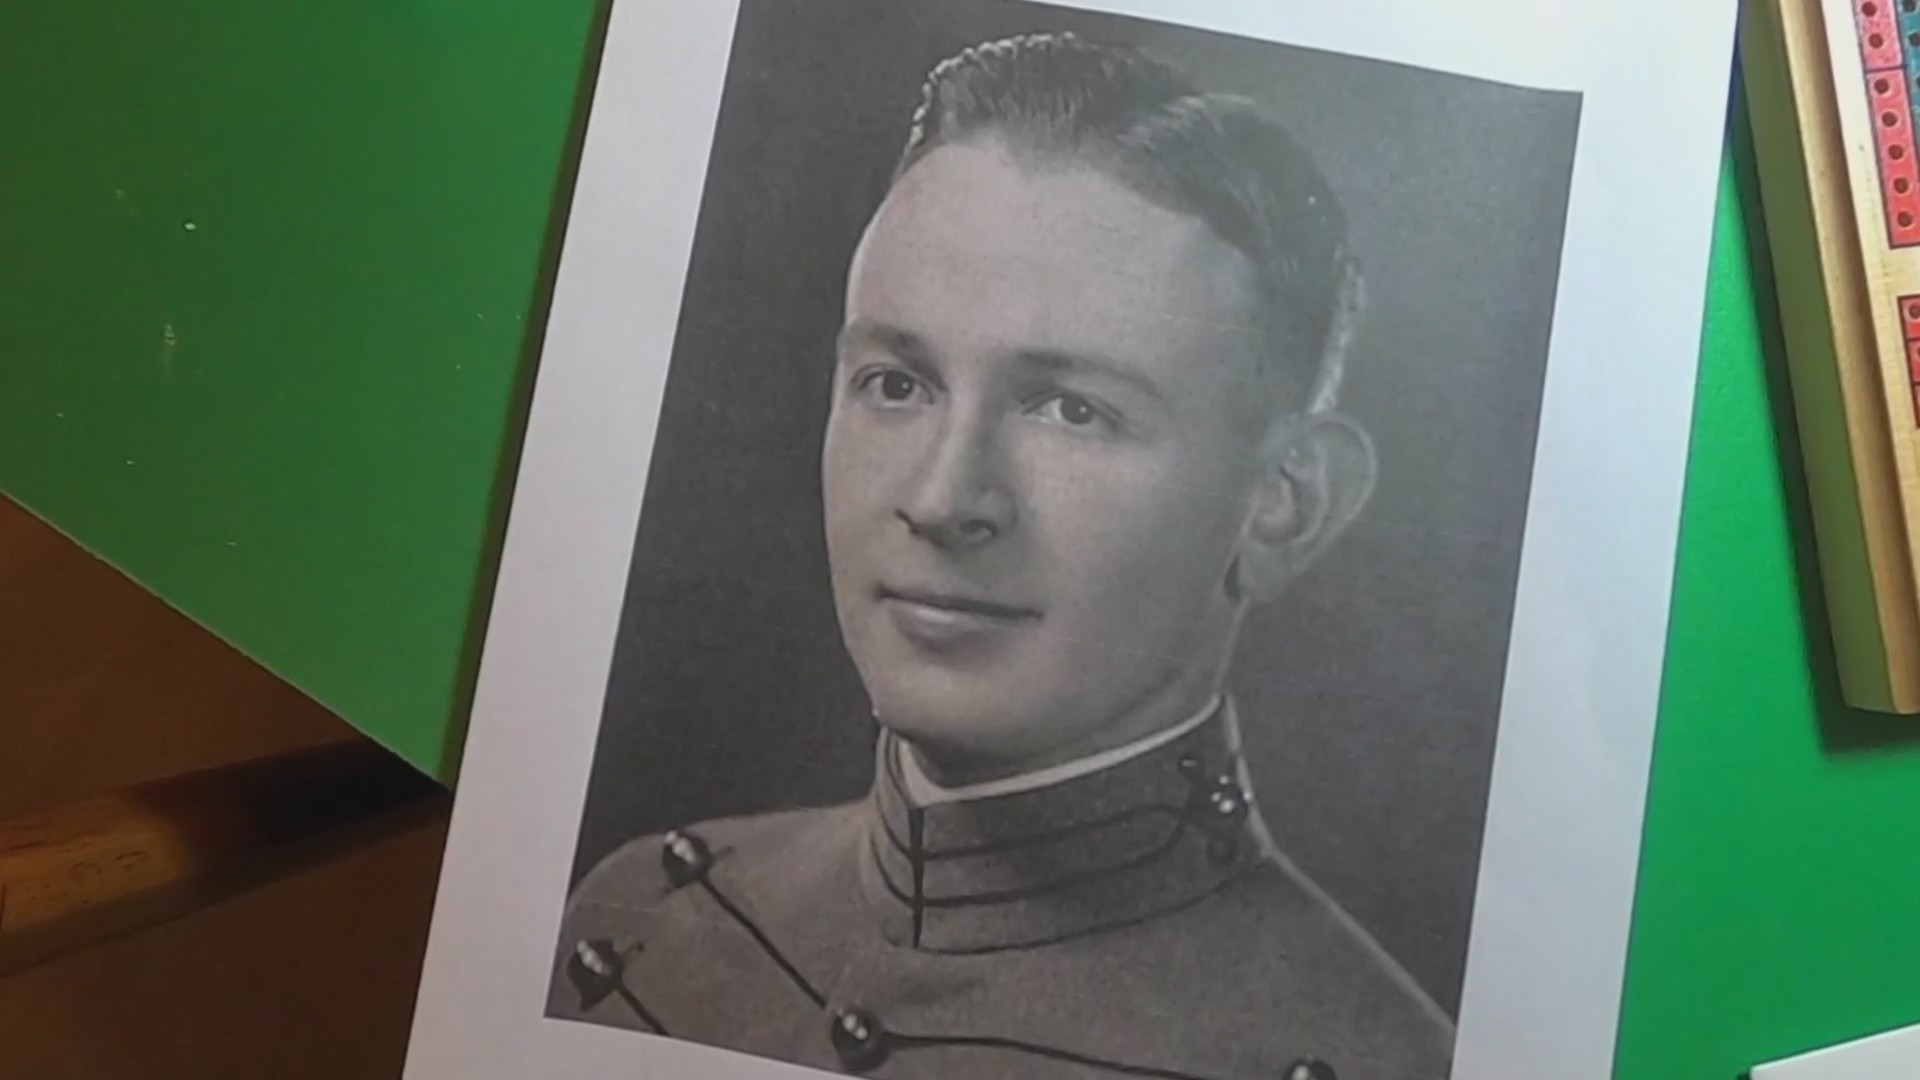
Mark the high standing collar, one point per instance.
(1149, 835)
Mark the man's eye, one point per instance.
(896, 385)
(1071, 410)
(891, 385)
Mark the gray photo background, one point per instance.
(1370, 692)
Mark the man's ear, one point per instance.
(1317, 474)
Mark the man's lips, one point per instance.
(955, 602)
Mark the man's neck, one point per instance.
(1175, 702)
(923, 790)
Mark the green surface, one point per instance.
(289, 419)
(264, 276)
(1779, 902)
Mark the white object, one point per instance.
(1894, 1055)
(1561, 846)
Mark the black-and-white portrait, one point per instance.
(1066, 629)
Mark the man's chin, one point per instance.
(950, 732)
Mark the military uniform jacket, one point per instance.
(1131, 922)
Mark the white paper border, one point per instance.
(1554, 904)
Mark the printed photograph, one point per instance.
(1068, 616)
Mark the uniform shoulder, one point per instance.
(1350, 1000)
(634, 894)
(640, 872)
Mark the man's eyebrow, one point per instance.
(909, 348)
(888, 338)
(1066, 362)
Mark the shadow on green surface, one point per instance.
(1843, 728)
(500, 498)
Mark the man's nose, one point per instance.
(959, 497)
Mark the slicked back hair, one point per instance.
(1215, 157)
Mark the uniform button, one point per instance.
(858, 1039)
(594, 969)
(685, 857)
(1229, 804)
(1311, 1069)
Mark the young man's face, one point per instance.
(1033, 476)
